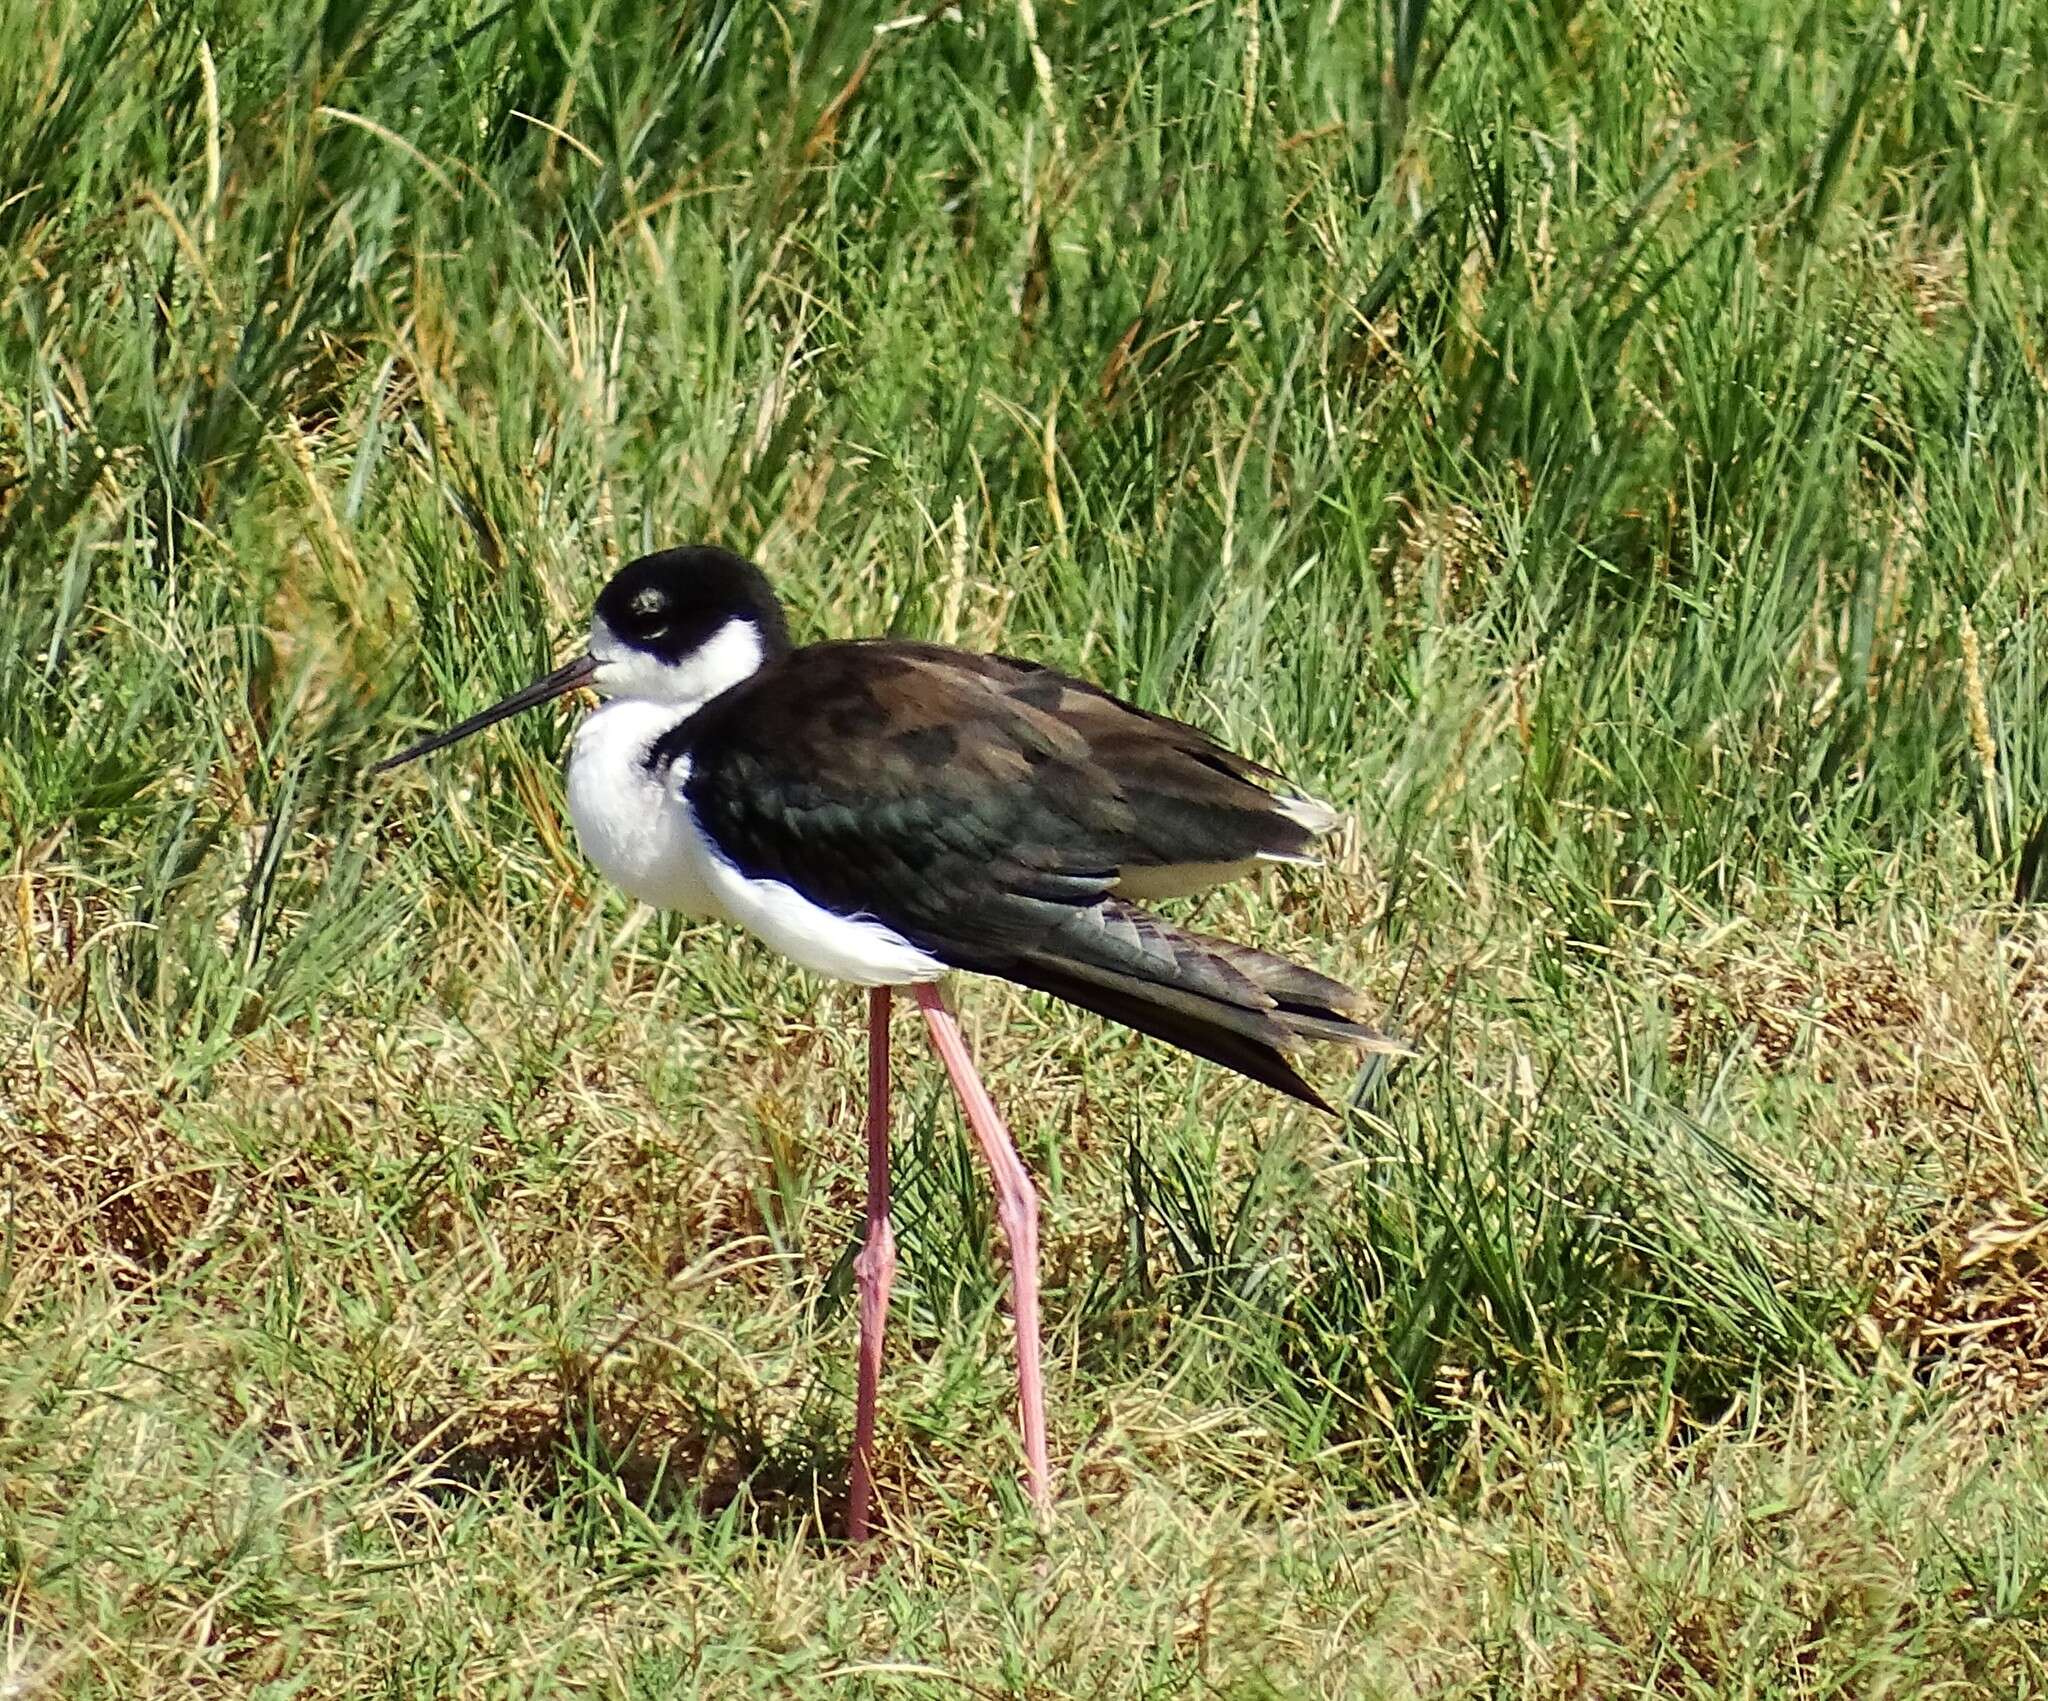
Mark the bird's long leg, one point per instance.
(873, 1270)
(1017, 1214)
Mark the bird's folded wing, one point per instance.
(955, 794)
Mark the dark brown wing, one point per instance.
(1153, 792)
(1202, 813)
(987, 810)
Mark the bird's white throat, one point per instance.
(732, 654)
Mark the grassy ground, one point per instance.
(1605, 448)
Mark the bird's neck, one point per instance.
(631, 732)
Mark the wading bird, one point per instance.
(882, 812)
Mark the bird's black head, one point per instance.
(677, 627)
(682, 625)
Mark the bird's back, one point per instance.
(889, 746)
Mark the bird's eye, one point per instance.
(647, 613)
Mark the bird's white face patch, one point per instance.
(732, 653)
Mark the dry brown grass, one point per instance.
(547, 1320)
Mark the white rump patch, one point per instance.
(1310, 814)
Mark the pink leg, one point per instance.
(873, 1270)
(1017, 1213)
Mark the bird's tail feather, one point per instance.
(1233, 1004)
(1238, 1039)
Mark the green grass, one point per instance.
(1603, 448)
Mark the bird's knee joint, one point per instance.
(877, 1259)
(1018, 1217)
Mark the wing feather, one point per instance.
(919, 753)
(988, 809)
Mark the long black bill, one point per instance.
(557, 684)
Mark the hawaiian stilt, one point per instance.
(882, 812)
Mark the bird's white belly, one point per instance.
(638, 827)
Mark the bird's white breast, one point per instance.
(636, 824)
(624, 820)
